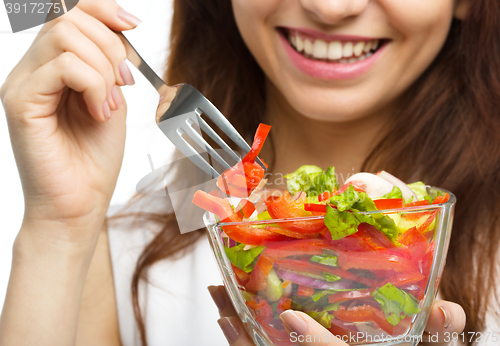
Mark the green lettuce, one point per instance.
(312, 180)
(323, 318)
(328, 260)
(395, 303)
(341, 222)
(395, 193)
(243, 259)
(420, 190)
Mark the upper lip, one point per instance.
(329, 37)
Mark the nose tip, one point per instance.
(333, 11)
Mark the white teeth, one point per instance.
(358, 48)
(344, 53)
(308, 47)
(347, 50)
(299, 44)
(368, 47)
(335, 50)
(320, 49)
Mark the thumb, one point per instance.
(110, 13)
(304, 330)
(445, 319)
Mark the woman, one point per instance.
(423, 106)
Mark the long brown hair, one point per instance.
(446, 133)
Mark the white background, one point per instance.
(150, 38)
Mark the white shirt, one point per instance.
(176, 305)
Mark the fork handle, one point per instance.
(140, 64)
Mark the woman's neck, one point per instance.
(299, 140)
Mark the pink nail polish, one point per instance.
(106, 110)
(128, 18)
(117, 98)
(294, 322)
(230, 330)
(125, 73)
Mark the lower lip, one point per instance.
(329, 70)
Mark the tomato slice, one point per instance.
(364, 313)
(388, 203)
(350, 295)
(324, 196)
(416, 242)
(417, 203)
(284, 207)
(404, 279)
(375, 261)
(441, 199)
(305, 291)
(284, 304)
(374, 238)
(261, 269)
(241, 276)
(289, 233)
(356, 185)
(282, 249)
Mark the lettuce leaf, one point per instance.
(420, 190)
(312, 180)
(395, 193)
(243, 259)
(395, 303)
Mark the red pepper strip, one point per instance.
(355, 184)
(375, 261)
(318, 269)
(388, 203)
(350, 295)
(324, 196)
(364, 313)
(283, 305)
(287, 248)
(319, 208)
(284, 208)
(423, 227)
(245, 208)
(304, 291)
(352, 243)
(373, 237)
(404, 279)
(264, 310)
(290, 234)
(441, 199)
(242, 233)
(258, 142)
(416, 242)
(261, 269)
(417, 203)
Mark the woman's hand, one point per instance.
(445, 317)
(66, 118)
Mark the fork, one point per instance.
(180, 108)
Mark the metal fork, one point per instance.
(181, 107)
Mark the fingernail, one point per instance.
(106, 110)
(128, 18)
(294, 322)
(447, 317)
(126, 74)
(230, 330)
(218, 297)
(117, 98)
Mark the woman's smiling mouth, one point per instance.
(331, 56)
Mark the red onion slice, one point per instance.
(407, 192)
(314, 283)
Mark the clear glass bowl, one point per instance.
(414, 269)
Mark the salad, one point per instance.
(348, 256)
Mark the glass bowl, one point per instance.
(362, 290)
